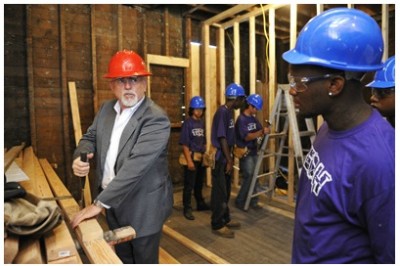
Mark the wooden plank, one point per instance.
(99, 252)
(11, 245)
(198, 249)
(78, 135)
(68, 205)
(166, 61)
(11, 154)
(166, 258)
(59, 243)
(67, 260)
(28, 167)
(29, 252)
(89, 233)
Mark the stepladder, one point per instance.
(284, 148)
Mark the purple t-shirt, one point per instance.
(245, 125)
(193, 135)
(223, 126)
(346, 199)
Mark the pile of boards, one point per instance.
(59, 245)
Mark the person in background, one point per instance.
(193, 142)
(248, 131)
(129, 138)
(382, 89)
(223, 138)
(345, 207)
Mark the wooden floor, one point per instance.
(265, 236)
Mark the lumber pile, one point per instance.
(59, 245)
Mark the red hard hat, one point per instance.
(126, 64)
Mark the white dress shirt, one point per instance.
(121, 120)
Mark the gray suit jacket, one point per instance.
(141, 193)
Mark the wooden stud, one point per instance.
(236, 77)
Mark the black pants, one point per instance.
(220, 194)
(143, 250)
(193, 180)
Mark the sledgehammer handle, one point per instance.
(83, 179)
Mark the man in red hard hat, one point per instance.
(129, 138)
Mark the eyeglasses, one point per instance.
(382, 93)
(129, 80)
(299, 84)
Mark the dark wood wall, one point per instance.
(46, 46)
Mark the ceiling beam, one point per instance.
(227, 14)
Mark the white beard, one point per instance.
(129, 102)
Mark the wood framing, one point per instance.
(170, 61)
(237, 16)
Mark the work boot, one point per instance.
(188, 214)
(224, 232)
(202, 206)
(233, 225)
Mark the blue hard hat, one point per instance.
(384, 78)
(234, 90)
(197, 102)
(339, 38)
(255, 100)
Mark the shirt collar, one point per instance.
(117, 106)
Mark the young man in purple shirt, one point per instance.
(248, 131)
(382, 90)
(345, 209)
(223, 138)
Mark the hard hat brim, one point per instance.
(381, 84)
(137, 74)
(295, 58)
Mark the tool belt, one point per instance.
(196, 157)
(209, 157)
(240, 152)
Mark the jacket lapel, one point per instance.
(132, 124)
(109, 125)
